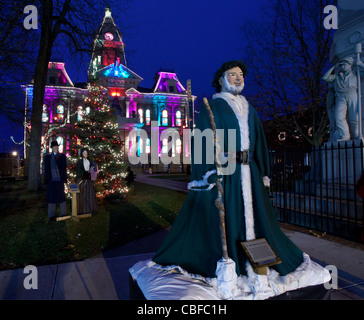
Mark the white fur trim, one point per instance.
(240, 106)
(266, 181)
(197, 185)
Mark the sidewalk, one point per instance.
(106, 276)
(163, 183)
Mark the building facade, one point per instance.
(141, 112)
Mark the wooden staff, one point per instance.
(218, 202)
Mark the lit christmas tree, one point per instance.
(98, 131)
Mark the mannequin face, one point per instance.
(85, 154)
(232, 81)
(55, 149)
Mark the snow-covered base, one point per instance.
(174, 283)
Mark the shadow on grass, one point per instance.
(149, 210)
(26, 236)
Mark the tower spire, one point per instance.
(108, 46)
(108, 12)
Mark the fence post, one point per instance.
(284, 185)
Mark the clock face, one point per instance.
(109, 36)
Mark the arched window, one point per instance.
(147, 145)
(140, 113)
(45, 113)
(147, 117)
(80, 113)
(178, 146)
(60, 113)
(178, 118)
(164, 117)
(165, 145)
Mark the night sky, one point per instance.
(192, 37)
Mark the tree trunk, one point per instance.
(40, 78)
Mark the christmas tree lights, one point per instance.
(98, 131)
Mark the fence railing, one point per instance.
(315, 188)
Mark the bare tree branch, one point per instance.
(287, 57)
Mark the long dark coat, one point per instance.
(194, 239)
(86, 199)
(55, 189)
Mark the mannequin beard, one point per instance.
(233, 89)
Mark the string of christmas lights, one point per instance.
(98, 131)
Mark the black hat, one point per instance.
(54, 144)
(226, 66)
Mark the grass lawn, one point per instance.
(26, 236)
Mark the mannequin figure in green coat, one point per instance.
(194, 242)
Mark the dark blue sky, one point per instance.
(193, 37)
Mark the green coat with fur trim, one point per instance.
(194, 241)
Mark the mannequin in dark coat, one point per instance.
(55, 182)
(86, 199)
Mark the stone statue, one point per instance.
(343, 112)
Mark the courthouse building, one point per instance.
(165, 104)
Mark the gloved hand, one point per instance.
(213, 178)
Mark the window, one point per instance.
(147, 145)
(165, 145)
(60, 113)
(147, 117)
(109, 57)
(171, 88)
(140, 149)
(164, 117)
(130, 145)
(178, 146)
(45, 113)
(140, 113)
(178, 118)
(79, 113)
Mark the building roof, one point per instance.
(165, 81)
(118, 71)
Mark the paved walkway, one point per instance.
(106, 275)
(163, 183)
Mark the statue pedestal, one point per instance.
(335, 169)
(316, 292)
(342, 162)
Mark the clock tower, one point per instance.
(108, 46)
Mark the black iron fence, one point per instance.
(316, 187)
